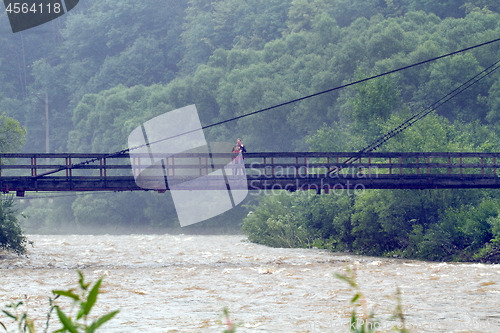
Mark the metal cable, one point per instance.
(420, 115)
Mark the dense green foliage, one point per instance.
(240, 80)
(232, 57)
(108, 67)
(425, 224)
(12, 138)
(11, 234)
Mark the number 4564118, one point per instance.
(25, 8)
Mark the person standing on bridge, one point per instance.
(239, 148)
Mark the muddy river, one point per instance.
(166, 283)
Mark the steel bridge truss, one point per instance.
(323, 172)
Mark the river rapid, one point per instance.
(167, 283)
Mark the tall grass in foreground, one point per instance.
(78, 318)
(367, 323)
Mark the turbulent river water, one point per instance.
(167, 283)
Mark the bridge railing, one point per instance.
(66, 165)
(371, 164)
(272, 164)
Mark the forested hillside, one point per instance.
(108, 66)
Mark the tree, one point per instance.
(372, 106)
(493, 115)
(225, 24)
(11, 236)
(12, 136)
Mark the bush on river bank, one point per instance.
(442, 225)
(11, 235)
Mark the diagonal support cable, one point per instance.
(420, 115)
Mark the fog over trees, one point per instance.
(108, 66)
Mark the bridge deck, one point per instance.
(287, 171)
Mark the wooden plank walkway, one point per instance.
(323, 172)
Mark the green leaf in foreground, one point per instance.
(67, 324)
(347, 279)
(82, 281)
(101, 321)
(355, 298)
(68, 293)
(92, 297)
(9, 315)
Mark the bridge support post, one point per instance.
(68, 165)
(33, 166)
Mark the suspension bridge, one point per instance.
(322, 172)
